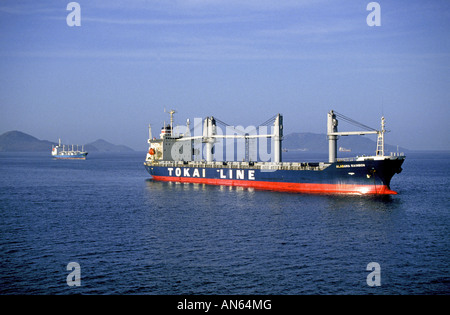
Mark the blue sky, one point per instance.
(241, 61)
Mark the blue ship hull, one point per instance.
(351, 177)
(81, 156)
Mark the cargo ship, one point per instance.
(190, 159)
(65, 152)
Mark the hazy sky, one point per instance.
(241, 61)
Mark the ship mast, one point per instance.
(333, 134)
(380, 140)
(210, 135)
(277, 137)
(171, 121)
(209, 131)
(332, 124)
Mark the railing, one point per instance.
(243, 165)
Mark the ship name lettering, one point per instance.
(196, 173)
(350, 165)
(239, 174)
(185, 172)
(223, 174)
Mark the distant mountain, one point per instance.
(311, 142)
(101, 145)
(306, 141)
(14, 141)
(318, 143)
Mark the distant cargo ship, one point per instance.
(342, 149)
(174, 158)
(65, 152)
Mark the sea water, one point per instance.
(131, 235)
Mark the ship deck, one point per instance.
(313, 166)
(297, 166)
